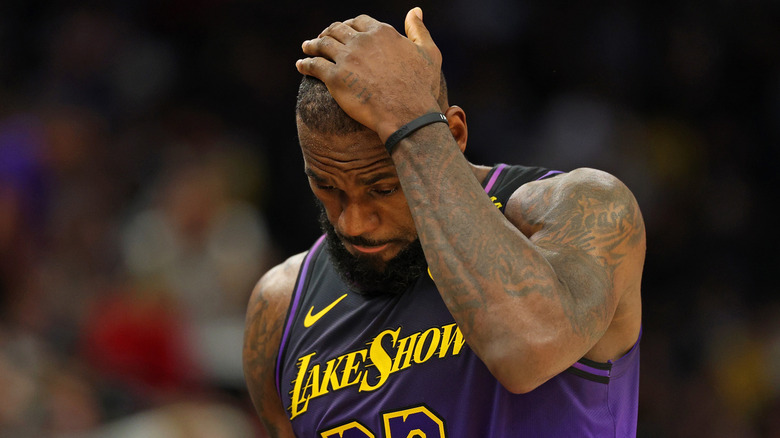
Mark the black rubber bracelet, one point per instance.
(412, 126)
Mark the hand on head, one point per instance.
(379, 77)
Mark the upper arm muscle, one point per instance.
(264, 325)
(588, 226)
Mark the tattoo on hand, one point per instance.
(363, 96)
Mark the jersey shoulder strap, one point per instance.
(504, 179)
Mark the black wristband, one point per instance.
(412, 126)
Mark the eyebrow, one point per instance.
(365, 181)
(378, 177)
(310, 173)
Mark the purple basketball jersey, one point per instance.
(398, 366)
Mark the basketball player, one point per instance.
(445, 299)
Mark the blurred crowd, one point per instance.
(149, 174)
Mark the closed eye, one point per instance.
(385, 192)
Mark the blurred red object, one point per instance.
(140, 339)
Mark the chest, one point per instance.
(346, 350)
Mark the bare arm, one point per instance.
(262, 336)
(528, 307)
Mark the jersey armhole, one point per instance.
(292, 309)
(502, 181)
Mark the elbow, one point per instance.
(518, 374)
(519, 387)
(522, 385)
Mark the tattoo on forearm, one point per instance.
(584, 239)
(454, 253)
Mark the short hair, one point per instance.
(319, 111)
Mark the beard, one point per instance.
(368, 275)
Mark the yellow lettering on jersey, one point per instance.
(496, 202)
(420, 411)
(299, 402)
(404, 354)
(435, 334)
(451, 337)
(312, 383)
(338, 432)
(381, 359)
(352, 368)
(329, 376)
(387, 352)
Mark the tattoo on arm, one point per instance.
(470, 265)
(586, 231)
(261, 342)
(586, 237)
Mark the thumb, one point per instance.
(414, 27)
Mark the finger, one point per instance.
(415, 29)
(327, 29)
(325, 46)
(339, 31)
(362, 23)
(318, 67)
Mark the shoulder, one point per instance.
(264, 325)
(265, 319)
(589, 226)
(591, 195)
(279, 281)
(271, 295)
(586, 211)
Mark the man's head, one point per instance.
(317, 109)
(371, 233)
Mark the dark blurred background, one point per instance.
(150, 173)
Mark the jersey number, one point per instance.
(416, 422)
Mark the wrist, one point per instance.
(404, 131)
(398, 118)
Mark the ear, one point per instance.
(456, 118)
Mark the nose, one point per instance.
(357, 218)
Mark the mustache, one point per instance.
(361, 273)
(352, 240)
(360, 240)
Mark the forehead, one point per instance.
(358, 152)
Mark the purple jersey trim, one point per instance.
(588, 369)
(610, 368)
(550, 173)
(293, 309)
(500, 168)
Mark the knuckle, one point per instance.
(325, 42)
(328, 29)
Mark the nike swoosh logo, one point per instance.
(311, 319)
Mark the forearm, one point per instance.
(494, 281)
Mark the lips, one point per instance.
(370, 249)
